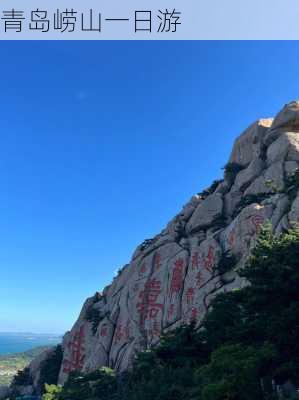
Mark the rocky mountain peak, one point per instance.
(172, 278)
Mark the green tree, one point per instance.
(100, 384)
(235, 372)
(51, 392)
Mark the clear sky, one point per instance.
(102, 143)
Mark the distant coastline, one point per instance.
(14, 342)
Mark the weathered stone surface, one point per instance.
(250, 144)
(231, 200)
(271, 181)
(247, 175)
(206, 213)
(288, 117)
(294, 213)
(283, 225)
(240, 235)
(286, 147)
(281, 205)
(290, 167)
(172, 278)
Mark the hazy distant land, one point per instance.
(18, 349)
(11, 343)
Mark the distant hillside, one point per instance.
(10, 364)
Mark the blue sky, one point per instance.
(101, 144)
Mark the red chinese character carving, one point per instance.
(77, 355)
(195, 260)
(157, 261)
(177, 277)
(194, 314)
(257, 221)
(142, 269)
(123, 332)
(118, 332)
(198, 279)
(148, 306)
(170, 311)
(210, 259)
(156, 328)
(190, 295)
(127, 330)
(104, 330)
(231, 238)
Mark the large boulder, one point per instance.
(249, 144)
(288, 117)
(206, 213)
(271, 180)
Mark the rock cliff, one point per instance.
(172, 278)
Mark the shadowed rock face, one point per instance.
(172, 278)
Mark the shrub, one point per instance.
(205, 193)
(51, 392)
(23, 378)
(219, 222)
(231, 170)
(235, 372)
(227, 262)
(292, 185)
(94, 316)
(100, 384)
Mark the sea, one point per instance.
(11, 343)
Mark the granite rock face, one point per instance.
(172, 278)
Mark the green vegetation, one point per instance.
(23, 378)
(231, 170)
(234, 373)
(292, 185)
(12, 363)
(99, 384)
(94, 316)
(205, 193)
(52, 391)
(219, 222)
(227, 262)
(247, 346)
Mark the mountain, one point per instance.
(12, 363)
(173, 277)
